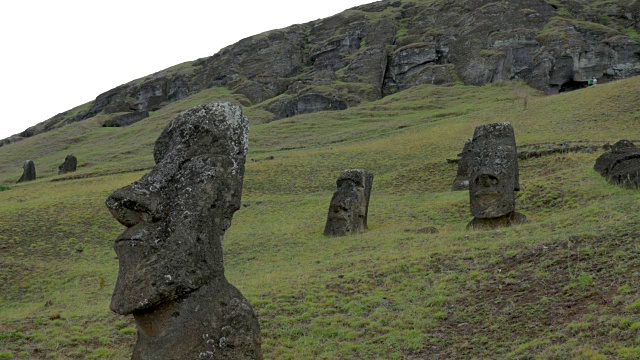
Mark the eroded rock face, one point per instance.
(69, 165)
(28, 171)
(171, 274)
(494, 176)
(126, 119)
(350, 203)
(621, 166)
(378, 49)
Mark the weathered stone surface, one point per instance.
(511, 219)
(171, 274)
(494, 172)
(28, 171)
(350, 203)
(306, 103)
(126, 119)
(621, 166)
(69, 165)
(461, 182)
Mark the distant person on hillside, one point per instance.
(595, 81)
(590, 81)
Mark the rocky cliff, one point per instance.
(373, 50)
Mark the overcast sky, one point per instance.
(63, 53)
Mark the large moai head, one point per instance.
(494, 171)
(69, 165)
(349, 205)
(28, 171)
(621, 166)
(177, 214)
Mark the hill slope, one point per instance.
(376, 50)
(563, 286)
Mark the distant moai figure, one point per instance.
(620, 166)
(349, 205)
(69, 165)
(461, 182)
(171, 273)
(494, 177)
(28, 171)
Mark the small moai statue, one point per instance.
(494, 177)
(620, 166)
(69, 165)
(171, 273)
(28, 171)
(461, 182)
(349, 205)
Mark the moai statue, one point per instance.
(171, 273)
(28, 171)
(621, 166)
(494, 177)
(461, 182)
(350, 203)
(69, 165)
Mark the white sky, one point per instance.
(58, 54)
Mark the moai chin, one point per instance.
(171, 274)
(494, 177)
(69, 165)
(28, 171)
(349, 205)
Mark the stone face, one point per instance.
(28, 171)
(461, 182)
(621, 166)
(171, 274)
(350, 203)
(69, 165)
(493, 172)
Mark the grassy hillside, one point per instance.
(563, 286)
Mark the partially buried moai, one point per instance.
(171, 274)
(461, 182)
(69, 165)
(494, 177)
(349, 205)
(28, 171)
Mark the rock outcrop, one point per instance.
(349, 205)
(494, 177)
(375, 50)
(69, 165)
(126, 119)
(28, 171)
(171, 274)
(621, 166)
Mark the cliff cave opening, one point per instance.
(573, 85)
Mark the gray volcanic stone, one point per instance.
(69, 165)
(494, 175)
(621, 166)
(171, 274)
(28, 171)
(461, 182)
(350, 203)
(126, 119)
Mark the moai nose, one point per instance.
(130, 207)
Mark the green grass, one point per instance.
(563, 286)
